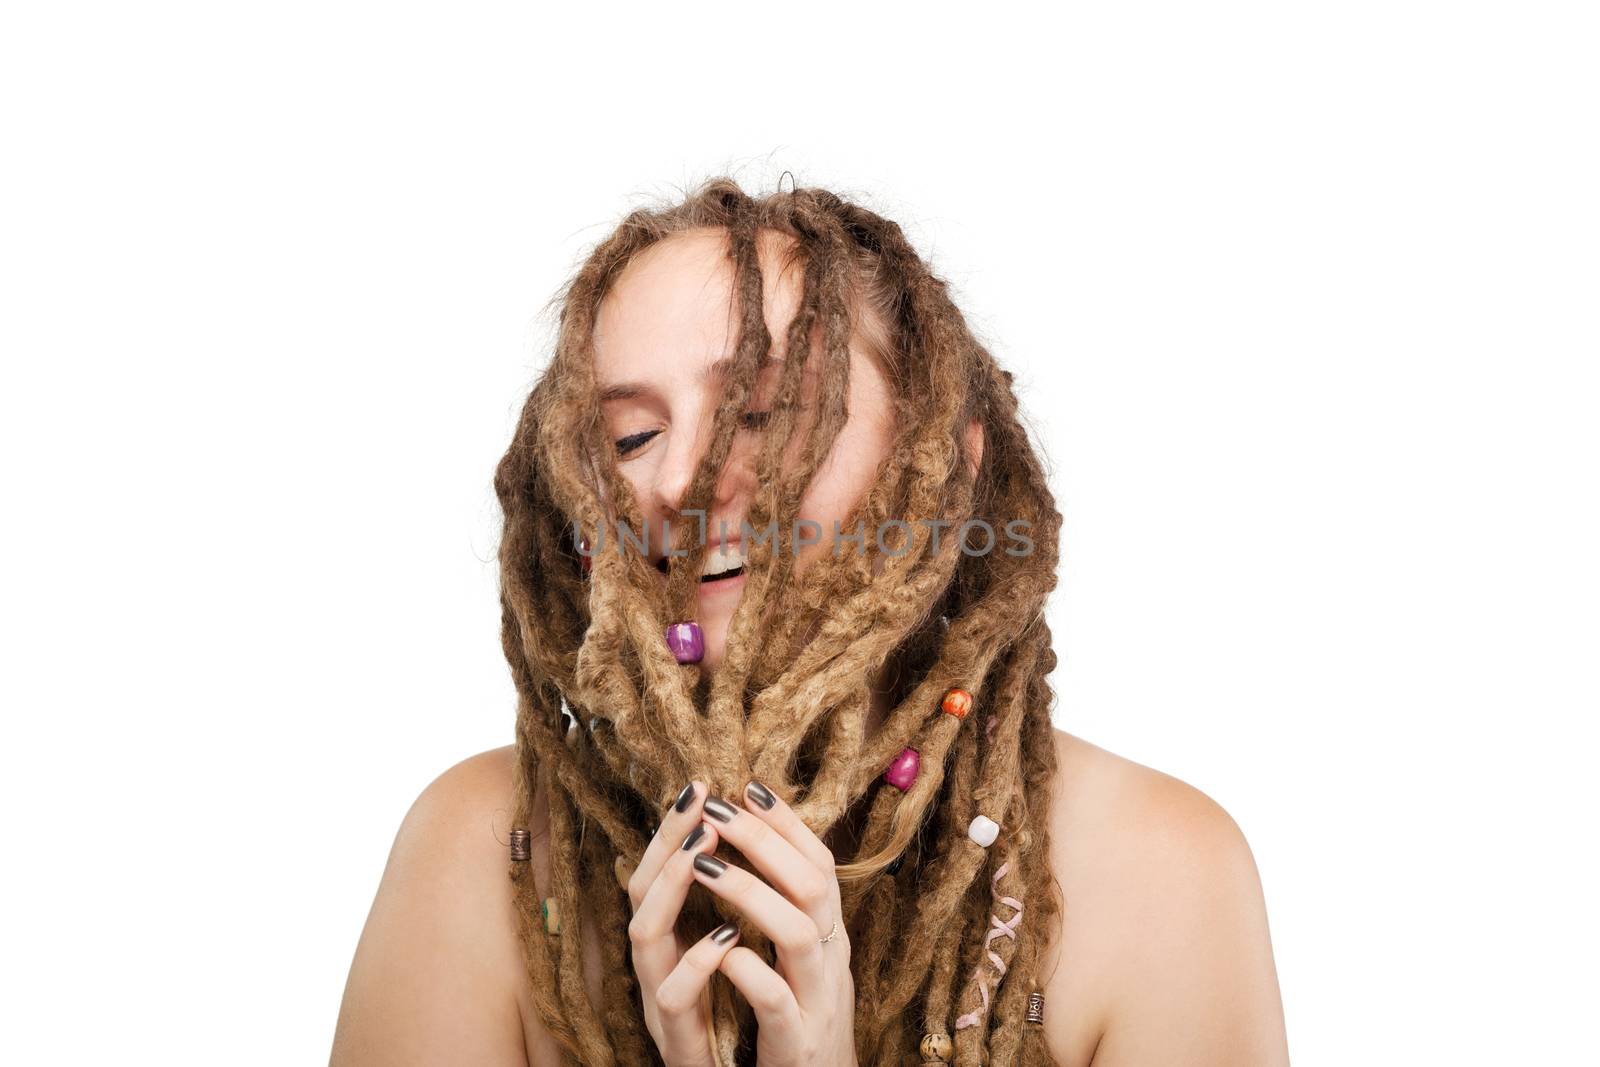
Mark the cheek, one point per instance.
(848, 472)
(637, 479)
(635, 476)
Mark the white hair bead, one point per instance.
(983, 830)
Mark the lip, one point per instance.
(721, 587)
(730, 587)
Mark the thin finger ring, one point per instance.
(831, 933)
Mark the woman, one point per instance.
(785, 788)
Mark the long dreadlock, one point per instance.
(934, 918)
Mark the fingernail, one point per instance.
(685, 798)
(694, 837)
(709, 866)
(761, 795)
(720, 809)
(725, 933)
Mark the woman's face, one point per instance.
(660, 336)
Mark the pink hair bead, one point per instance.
(903, 771)
(686, 641)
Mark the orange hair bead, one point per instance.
(957, 702)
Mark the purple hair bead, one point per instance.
(686, 641)
(903, 771)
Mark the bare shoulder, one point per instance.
(431, 981)
(1164, 955)
(1153, 818)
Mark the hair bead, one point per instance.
(552, 916)
(957, 702)
(903, 771)
(688, 644)
(1035, 1009)
(585, 557)
(936, 1047)
(983, 830)
(519, 846)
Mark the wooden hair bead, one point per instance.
(519, 846)
(688, 644)
(552, 916)
(957, 702)
(937, 1047)
(983, 830)
(903, 771)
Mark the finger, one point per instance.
(773, 811)
(678, 998)
(652, 935)
(682, 816)
(769, 995)
(809, 888)
(792, 932)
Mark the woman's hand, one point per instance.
(672, 981)
(805, 1008)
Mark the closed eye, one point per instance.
(633, 441)
(753, 420)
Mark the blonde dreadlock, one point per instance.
(924, 905)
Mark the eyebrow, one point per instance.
(715, 371)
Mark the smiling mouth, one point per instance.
(723, 563)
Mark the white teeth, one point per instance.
(721, 558)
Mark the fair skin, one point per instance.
(1163, 955)
(675, 299)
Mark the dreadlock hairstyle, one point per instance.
(946, 935)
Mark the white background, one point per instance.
(1301, 299)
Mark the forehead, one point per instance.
(673, 308)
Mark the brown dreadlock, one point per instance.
(789, 703)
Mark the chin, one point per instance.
(716, 649)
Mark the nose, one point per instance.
(676, 472)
